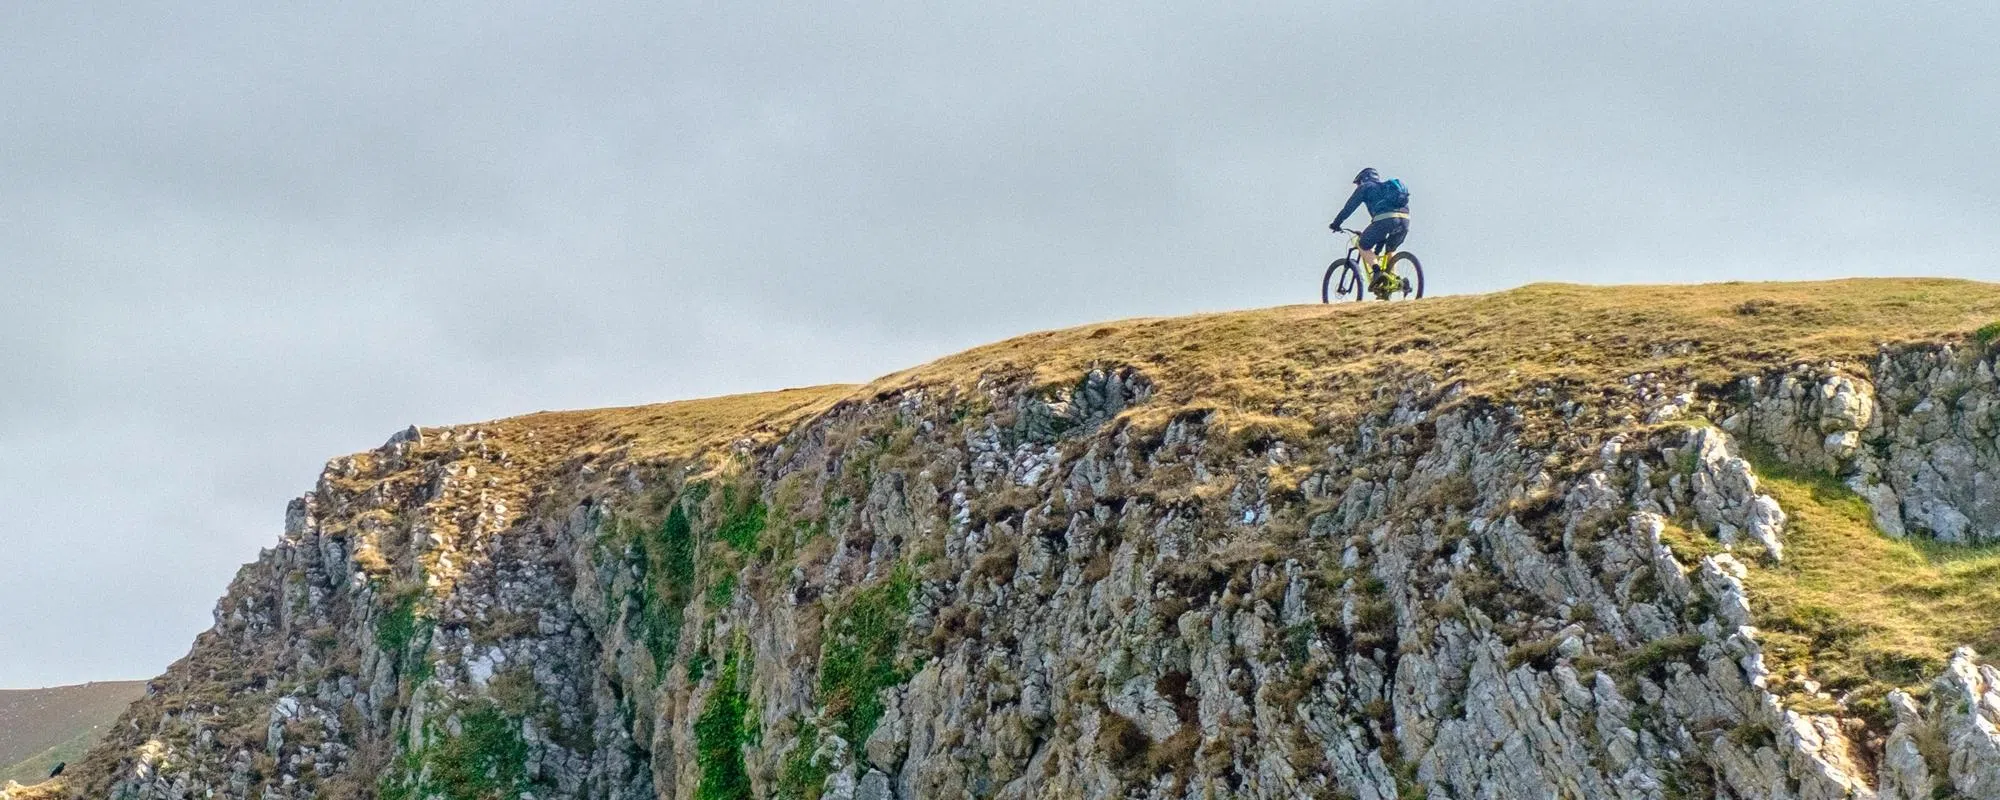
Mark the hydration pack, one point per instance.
(1396, 193)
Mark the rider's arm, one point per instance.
(1353, 202)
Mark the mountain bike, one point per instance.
(1346, 280)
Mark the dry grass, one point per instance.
(664, 431)
(1284, 370)
(1297, 359)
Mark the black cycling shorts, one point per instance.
(1381, 232)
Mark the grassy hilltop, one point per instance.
(1290, 364)
(1853, 606)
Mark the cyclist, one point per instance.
(1389, 209)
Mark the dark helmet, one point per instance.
(1368, 175)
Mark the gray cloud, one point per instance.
(238, 241)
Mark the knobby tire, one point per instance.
(1405, 266)
(1342, 281)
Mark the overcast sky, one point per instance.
(236, 241)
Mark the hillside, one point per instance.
(1733, 541)
(40, 728)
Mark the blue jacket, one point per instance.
(1376, 194)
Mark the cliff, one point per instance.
(1628, 542)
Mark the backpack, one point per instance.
(1396, 193)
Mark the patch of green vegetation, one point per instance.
(1650, 657)
(787, 524)
(1688, 547)
(514, 691)
(485, 760)
(1988, 333)
(858, 659)
(1541, 653)
(1688, 780)
(668, 585)
(1855, 610)
(400, 628)
(804, 777)
(721, 591)
(1753, 736)
(1298, 641)
(396, 627)
(742, 524)
(720, 734)
(1408, 785)
(421, 666)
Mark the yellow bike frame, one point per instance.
(1360, 255)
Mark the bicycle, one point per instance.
(1350, 281)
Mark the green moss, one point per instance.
(402, 632)
(858, 659)
(394, 628)
(1298, 642)
(722, 590)
(742, 525)
(485, 760)
(804, 777)
(421, 667)
(669, 584)
(720, 734)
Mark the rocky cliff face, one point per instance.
(1554, 543)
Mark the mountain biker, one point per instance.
(1389, 210)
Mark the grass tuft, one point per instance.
(858, 660)
(743, 525)
(721, 733)
(486, 760)
(397, 626)
(668, 585)
(804, 777)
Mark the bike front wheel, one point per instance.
(1405, 266)
(1341, 282)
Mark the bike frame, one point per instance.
(1354, 252)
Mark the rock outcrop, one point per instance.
(1139, 561)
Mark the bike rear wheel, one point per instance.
(1341, 282)
(1405, 266)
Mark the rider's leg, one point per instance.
(1393, 232)
(1375, 246)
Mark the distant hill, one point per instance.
(40, 727)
